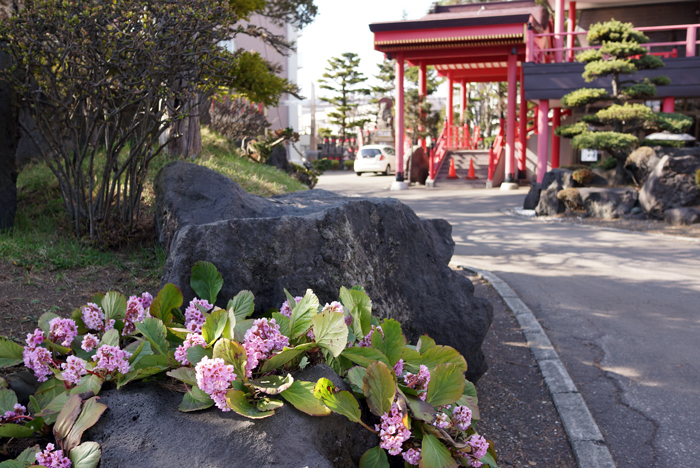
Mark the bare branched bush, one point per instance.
(237, 119)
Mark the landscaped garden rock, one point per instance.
(641, 162)
(609, 177)
(682, 216)
(420, 169)
(533, 197)
(672, 182)
(8, 146)
(143, 428)
(553, 182)
(608, 203)
(319, 240)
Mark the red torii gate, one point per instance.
(481, 42)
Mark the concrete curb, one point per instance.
(584, 435)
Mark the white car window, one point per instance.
(390, 151)
(369, 152)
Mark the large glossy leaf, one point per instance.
(360, 307)
(379, 387)
(153, 360)
(67, 417)
(241, 327)
(470, 389)
(110, 338)
(364, 356)
(28, 456)
(303, 312)
(374, 458)
(272, 384)
(283, 322)
(155, 332)
(243, 305)
(301, 396)
(237, 402)
(8, 399)
(15, 430)
(330, 331)
(86, 455)
(10, 353)
(355, 376)
(90, 414)
(206, 281)
(184, 374)
(232, 353)
(286, 355)
(434, 454)
(194, 400)
(139, 374)
(342, 402)
(168, 298)
(420, 409)
(443, 355)
(51, 410)
(214, 325)
(411, 359)
(393, 341)
(197, 352)
(446, 385)
(424, 344)
(230, 328)
(114, 306)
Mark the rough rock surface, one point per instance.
(641, 162)
(143, 429)
(553, 182)
(419, 166)
(608, 178)
(672, 182)
(278, 158)
(608, 203)
(319, 240)
(682, 216)
(533, 197)
(8, 145)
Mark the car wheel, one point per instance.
(386, 171)
(358, 174)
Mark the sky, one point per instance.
(343, 26)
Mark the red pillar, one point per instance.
(450, 107)
(522, 120)
(669, 104)
(542, 139)
(559, 29)
(556, 122)
(570, 28)
(463, 109)
(691, 41)
(422, 88)
(510, 117)
(399, 117)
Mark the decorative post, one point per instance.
(690, 41)
(542, 140)
(529, 44)
(422, 89)
(669, 105)
(399, 183)
(558, 30)
(450, 108)
(522, 120)
(571, 27)
(509, 182)
(463, 109)
(556, 122)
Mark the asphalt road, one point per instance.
(622, 309)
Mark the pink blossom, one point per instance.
(479, 445)
(366, 342)
(194, 318)
(398, 368)
(111, 358)
(19, 410)
(90, 342)
(38, 360)
(35, 339)
(63, 330)
(286, 310)
(441, 420)
(260, 341)
(418, 381)
(191, 340)
(73, 369)
(51, 459)
(392, 431)
(348, 320)
(146, 300)
(93, 317)
(334, 306)
(214, 377)
(412, 456)
(134, 313)
(462, 417)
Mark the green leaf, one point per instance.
(434, 454)
(155, 332)
(446, 385)
(10, 353)
(283, 322)
(411, 359)
(90, 414)
(50, 412)
(194, 400)
(114, 306)
(184, 374)
(169, 298)
(237, 401)
(49, 390)
(197, 352)
(242, 327)
(379, 387)
(232, 353)
(111, 338)
(86, 455)
(420, 409)
(15, 430)
(301, 396)
(44, 320)
(90, 383)
(28, 456)
(424, 344)
(469, 389)
(230, 328)
(286, 355)
(303, 312)
(360, 307)
(67, 417)
(443, 355)
(330, 331)
(364, 356)
(374, 458)
(272, 384)
(243, 305)
(214, 325)
(8, 399)
(355, 376)
(152, 360)
(268, 404)
(342, 402)
(206, 281)
(139, 374)
(393, 341)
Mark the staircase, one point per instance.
(461, 159)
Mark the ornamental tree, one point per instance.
(612, 128)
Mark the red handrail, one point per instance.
(496, 150)
(438, 153)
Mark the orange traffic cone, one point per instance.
(452, 174)
(470, 174)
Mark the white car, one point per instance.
(375, 158)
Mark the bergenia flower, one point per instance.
(62, 330)
(135, 312)
(73, 369)
(90, 342)
(38, 360)
(51, 459)
(412, 456)
(191, 340)
(260, 341)
(398, 368)
(146, 300)
(479, 445)
(93, 317)
(334, 306)
(286, 310)
(366, 342)
(441, 420)
(214, 377)
(35, 339)
(462, 417)
(194, 318)
(392, 431)
(19, 410)
(418, 381)
(111, 358)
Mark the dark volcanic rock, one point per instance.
(608, 178)
(672, 182)
(682, 216)
(533, 197)
(608, 203)
(641, 162)
(9, 136)
(419, 166)
(553, 182)
(320, 240)
(278, 158)
(144, 429)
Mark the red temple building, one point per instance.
(521, 43)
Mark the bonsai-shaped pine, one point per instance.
(620, 53)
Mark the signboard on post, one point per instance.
(589, 155)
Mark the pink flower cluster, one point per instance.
(334, 306)
(73, 369)
(35, 339)
(260, 341)
(136, 311)
(419, 381)
(19, 410)
(462, 417)
(412, 456)
(36, 358)
(63, 330)
(194, 318)
(111, 358)
(191, 340)
(214, 377)
(51, 459)
(94, 318)
(392, 431)
(441, 420)
(479, 448)
(398, 368)
(90, 342)
(286, 310)
(366, 342)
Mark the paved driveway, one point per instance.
(622, 309)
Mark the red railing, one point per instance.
(497, 149)
(437, 154)
(458, 137)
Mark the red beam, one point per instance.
(474, 59)
(457, 33)
(457, 52)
